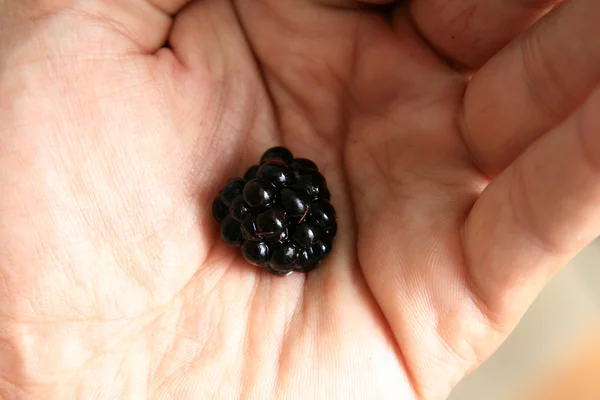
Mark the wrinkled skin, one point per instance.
(113, 280)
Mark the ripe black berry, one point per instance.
(279, 214)
(330, 230)
(219, 209)
(279, 153)
(251, 173)
(322, 213)
(306, 234)
(278, 174)
(295, 202)
(230, 232)
(284, 257)
(271, 222)
(259, 193)
(312, 182)
(325, 194)
(280, 238)
(306, 261)
(232, 189)
(303, 164)
(322, 248)
(248, 228)
(256, 253)
(238, 209)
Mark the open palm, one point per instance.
(458, 193)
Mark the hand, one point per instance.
(457, 197)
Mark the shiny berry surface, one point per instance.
(259, 193)
(278, 174)
(331, 230)
(238, 209)
(231, 232)
(232, 189)
(279, 214)
(219, 209)
(325, 194)
(295, 202)
(284, 257)
(306, 261)
(306, 234)
(322, 213)
(322, 248)
(271, 222)
(248, 228)
(277, 153)
(312, 182)
(256, 253)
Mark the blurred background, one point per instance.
(555, 350)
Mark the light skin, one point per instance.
(113, 280)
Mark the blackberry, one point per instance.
(325, 194)
(279, 238)
(232, 189)
(322, 248)
(271, 222)
(248, 228)
(231, 232)
(295, 202)
(331, 230)
(306, 261)
(284, 257)
(312, 182)
(219, 209)
(306, 234)
(238, 209)
(322, 213)
(277, 153)
(251, 173)
(278, 174)
(279, 214)
(256, 253)
(300, 164)
(259, 193)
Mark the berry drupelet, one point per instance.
(279, 214)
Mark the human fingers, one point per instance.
(471, 31)
(533, 85)
(531, 220)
